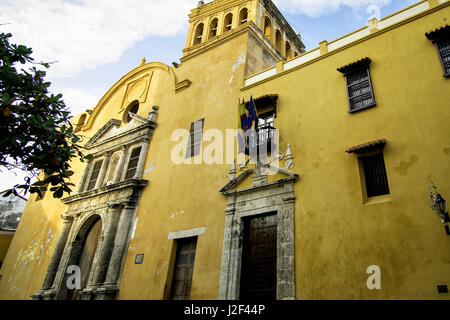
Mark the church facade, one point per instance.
(357, 143)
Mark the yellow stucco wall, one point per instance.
(337, 234)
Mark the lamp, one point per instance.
(438, 205)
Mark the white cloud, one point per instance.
(317, 8)
(374, 11)
(84, 34)
(79, 100)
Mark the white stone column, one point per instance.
(142, 159)
(108, 244)
(82, 182)
(120, 165)
(122, 236)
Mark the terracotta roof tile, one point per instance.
(443, 32)
(368, 146)
(355, 65)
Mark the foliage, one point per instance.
(35, 133)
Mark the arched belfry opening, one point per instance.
(213, 28)
(267, 28)
(243, 16)
(228, 22)
(279, 41)
(288, 50)
(198, 37)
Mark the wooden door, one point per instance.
(87, 256)
(184, 266)
(259, 259)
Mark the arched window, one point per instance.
(198, 34)
(132, 108)
(213, 28)
(267, 28)
(243, 16)
(288, 50)
(228, 22)
(279, 40)
(86, 258)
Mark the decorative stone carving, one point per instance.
(289, 158)
(136, 90)
(262, 197)
(114, 203)
(243, 165)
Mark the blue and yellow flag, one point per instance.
(247, 120)
(242, 126)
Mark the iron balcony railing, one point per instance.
(263, 139)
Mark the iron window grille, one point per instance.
(263, 135)
(359, 85)
(265, 131)
(375, 175)
(441, 39)
(443, 48)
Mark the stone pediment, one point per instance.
(112, 129)
(259, 180)
(111, 126)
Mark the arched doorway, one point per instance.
(90, 236)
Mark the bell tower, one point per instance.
(216, 21)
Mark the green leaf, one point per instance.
(6, 97)
(75, 139)
(69, 173)
(58, 193)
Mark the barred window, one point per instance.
(375, 175)
(359, 85)
(443, 48)
(133, 163)
(441, 39)
(195, 139)
(360, 92)
(94, 175)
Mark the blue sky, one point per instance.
(96, 42)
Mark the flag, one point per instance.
(242, 125)
(247, 120)
(252, 114)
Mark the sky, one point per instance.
(93, 43)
